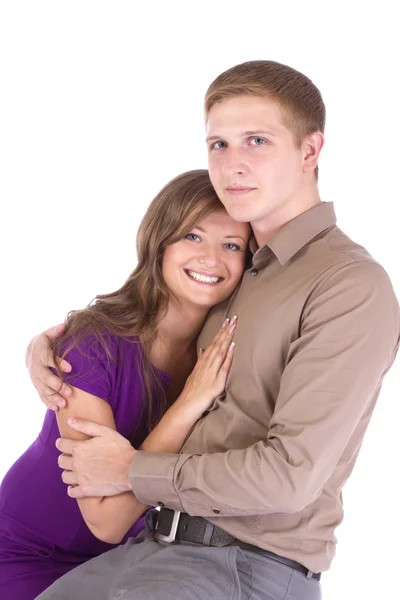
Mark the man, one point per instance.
(262, 472)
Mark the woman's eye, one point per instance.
(234, 247)
(192, 237)
(258, 141)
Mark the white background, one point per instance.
(101, 104)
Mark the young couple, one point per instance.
(246, 460)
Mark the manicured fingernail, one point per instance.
(71, 421)
(66, 367)
(232, 347)
(225, 323)
(234, 318)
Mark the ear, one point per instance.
(312, 146)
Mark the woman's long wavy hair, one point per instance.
(136, 309)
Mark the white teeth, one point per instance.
(203, 278)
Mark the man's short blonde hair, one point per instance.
(303, 109)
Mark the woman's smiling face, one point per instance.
(204, 267)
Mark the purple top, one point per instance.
(32, 494)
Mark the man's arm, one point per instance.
(349, 337)
(38, 358)
(107, 518)
(100, 466)
(110, 517)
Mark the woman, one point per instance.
(130, 354)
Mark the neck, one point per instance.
(181, 326)
(265, 229)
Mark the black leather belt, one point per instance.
(172, 525)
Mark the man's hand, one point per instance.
(38, 359)
(95, 467)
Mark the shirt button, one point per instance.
(254, 272)
(216, 511)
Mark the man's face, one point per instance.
(255, 166)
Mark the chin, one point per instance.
(239, 215)
(207, 303)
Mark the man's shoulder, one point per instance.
(334, 256)
(345, 249)
(349, 265)
(348, 260)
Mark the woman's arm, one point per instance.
(108, 521)
(109, 518)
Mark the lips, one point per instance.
(203, 278)
(239, 191)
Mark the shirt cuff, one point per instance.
(151, 476)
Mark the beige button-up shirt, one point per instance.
(318, 328)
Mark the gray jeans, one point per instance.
(143, 569)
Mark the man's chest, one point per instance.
(269, 307)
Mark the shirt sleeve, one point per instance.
(349, 338)
(91, 367)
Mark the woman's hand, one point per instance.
(208, 378)
(203, 386)
(38, 358)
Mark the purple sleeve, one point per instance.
(92, 370)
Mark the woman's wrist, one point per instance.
(179, 417)
(172, 430)
(188, 408)
(170, 433)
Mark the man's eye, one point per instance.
(192, 237)
(218, 145)
(258, 141)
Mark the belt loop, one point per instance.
(208, 534)
(151, 520)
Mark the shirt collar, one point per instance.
(296, 234)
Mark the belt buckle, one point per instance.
(172, 533)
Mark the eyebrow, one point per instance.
(245, 133)
(266, 131)
(227, 237)
(234, 237)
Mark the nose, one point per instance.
(209, 257)
(234, 162)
